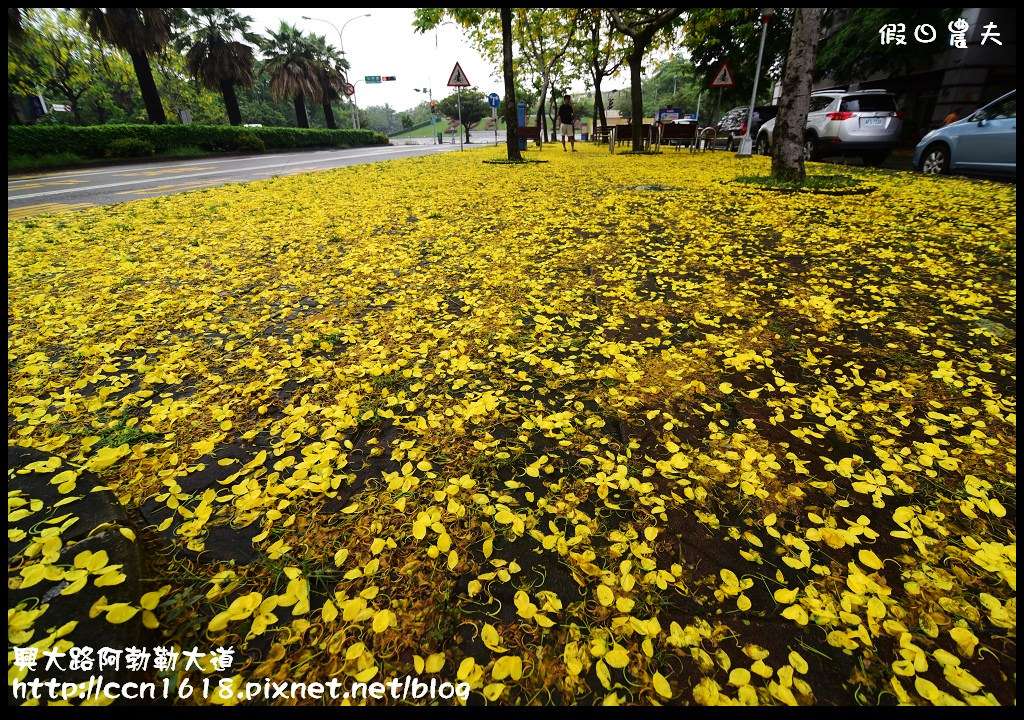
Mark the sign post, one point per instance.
(493, 100)
(458, 80)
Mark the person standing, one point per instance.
(567, 116)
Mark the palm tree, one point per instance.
(292, 68)
(141, 32)
(217, 60)
(331, 67)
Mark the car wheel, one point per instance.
(935, 160)
(763, 148)
(875, 159)
(810, 149)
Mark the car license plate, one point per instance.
(874, 121)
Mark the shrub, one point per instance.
(129, 147)
(94, 141)
(248, 142)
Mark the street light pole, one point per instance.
(355, 107)
(341, 41)
(746, 143)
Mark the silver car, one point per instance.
(863, 123)
(983, 142)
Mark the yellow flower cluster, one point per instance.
(605, 429)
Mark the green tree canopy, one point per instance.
(141, 32)
(217, 54)
(292, 68)
(474, 107)
(853, 51)
(717, 35)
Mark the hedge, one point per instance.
(94, 141)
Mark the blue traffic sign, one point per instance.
(493, 100)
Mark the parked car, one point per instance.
(733, 124)
(983, 142)
(864, 123)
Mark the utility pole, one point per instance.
(747, 143)
(341, 42)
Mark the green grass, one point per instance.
(423, 132)
(442, 123)
(29, 163)
(812, 183)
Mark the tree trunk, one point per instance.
(150, 95)
(329, 115)
(76, 111)
(12, 110)
(511, 141)
(791, 125)
(231, 102)
(598, 102)
(541, 122)
(636, 95)
(555, 120)
(301, 119)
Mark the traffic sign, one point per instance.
(458, 78)
(349, 89)
(724, 77)
(493, 100)
(371, 79)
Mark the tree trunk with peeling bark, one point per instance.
(791, 125)
(511, 141)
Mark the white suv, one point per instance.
(863, 123)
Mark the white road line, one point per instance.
(157, 166)
(278, 166)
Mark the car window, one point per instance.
(869, 103)
(1006, 109)
(819, 103)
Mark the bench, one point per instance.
(602, 133)
(624, 134)
(529, 132)
(679, 134)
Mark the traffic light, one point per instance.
(386, 78)
(432, 104)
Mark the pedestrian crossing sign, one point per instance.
(458, 78)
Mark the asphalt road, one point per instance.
(29, 195)
(75, 189)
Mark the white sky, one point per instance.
(386, 44)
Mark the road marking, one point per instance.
(166, 188)
(121, 170)
(165, 171)
(46, 183)
(27, 210)
(278, 167)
